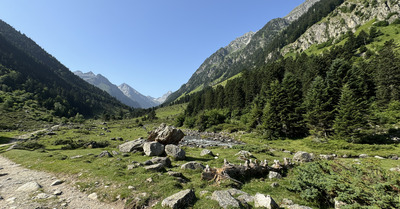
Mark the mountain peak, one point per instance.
(300, 10)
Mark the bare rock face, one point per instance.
(181, 199)
(175, 152)
(135, 145)
(193, 166)
(166, 135)
(261, 200)
(302, 157)
(225, 199)
(153, 148)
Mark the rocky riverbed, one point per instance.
(207, 139)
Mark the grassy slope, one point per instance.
(113, 172)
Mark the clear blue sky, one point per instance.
(152, 45)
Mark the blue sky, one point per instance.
(152, 45)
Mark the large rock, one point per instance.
(181, 199)
(131, 146)
(153, 149)
(261, 200)
(166, 135)
(225, 199)
(274, 175)
(155, 167)
(29, 187)
(175, 152)
(302, 157)
(163, 160)
(193, 165)
(205, 152)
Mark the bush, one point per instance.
(382, 23)
(357, 185)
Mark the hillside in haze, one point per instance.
(124, 93)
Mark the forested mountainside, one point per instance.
(349, 91)
(223, 65)
(39, 78)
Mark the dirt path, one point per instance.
(19, 189)
(22, 188)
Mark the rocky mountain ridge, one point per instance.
(125, 93)
(346, 17)
(239, 54)
(104, 84)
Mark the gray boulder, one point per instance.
(163, 160)
(155, 167)
(327, 157)
(225, 199)
(181, 199)
(261, 200)
(135, 145)
(105, 154)
(363, 156)
(193, 165)
(153, 149)
(274, 175)
(302, 157)
(29, 187)
(166, 135)
(175, 152)
(206, 152)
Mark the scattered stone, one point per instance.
(132, 166)
(166, 135)
(274, 184)
(274, 175)
(235, 192)
(205, 152)
(131, 187)
(394, 157)
(245, 198)
(225, 199)
(155, 167)
(363, 156)
(244, 155)
(174, 174)
(327, 157)
(193, 165)
(261, 200)
(115, 152)
(345, 156)
(163, 160)
(57, 192)
(93, 196)
(302, 157)
(149, 180)
(181, 199)
(105, 153)
(42, 196)
(175, 152)
(153, 148)
(287, 202)
(379, 157)
(3, 174)
(1, 198)
(296, 206)
(135, 145)
(11, 200)
(76, 156)
(396, 169)
(56, 182)
(29, 187)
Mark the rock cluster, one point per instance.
(166, 135)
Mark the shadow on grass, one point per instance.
(189, 158)
(5, 140)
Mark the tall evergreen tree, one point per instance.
(350, 119)
(317, 108)
(291, 113)
(388, 74)
(272, 123)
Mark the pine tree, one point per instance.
(388, 74)
(272, 123)
(291, 113)
(317, 108)
(350, 119)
